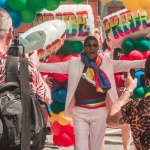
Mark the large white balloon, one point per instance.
(79, 20)
(47, 38)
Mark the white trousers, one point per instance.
(89, 127)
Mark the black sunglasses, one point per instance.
(90, 45)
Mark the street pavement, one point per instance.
(113, 141)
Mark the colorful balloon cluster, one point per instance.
(24, 11)
(137, 50)
(62, 127)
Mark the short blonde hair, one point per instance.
(5, 22)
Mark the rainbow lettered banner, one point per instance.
(123, 24)
(79, 20)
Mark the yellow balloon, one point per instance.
(53, 117)
(131, 4)
(64, 121)
(105, 0)
(148, 13)
(144, 4)
(148, 94)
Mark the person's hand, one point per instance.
(33, 57)
(122, 77)
(47, 80)
(130, 82)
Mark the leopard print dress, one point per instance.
(137, 114)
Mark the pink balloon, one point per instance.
(72, 138)
(61, 77)
(43, 73)
(70, 128)
(57, 129)
(55, 140)
(51, 75)
(135, 55)
(123, 57)
(66, 58)
(145, 54)
(64, 140)
(54, 58)
(76, 55)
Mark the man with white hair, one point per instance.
(6, 36)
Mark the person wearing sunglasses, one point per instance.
(91, 91)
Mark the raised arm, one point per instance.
(115, 118)
(61, 67)
(124, 65)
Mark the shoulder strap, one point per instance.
(26, 104)
(12, 75)
(12, 68)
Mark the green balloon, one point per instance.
(128, 45)
(77, 47)
(57, 107)
(17, 4)
(27, 16)
(146, 89)
(52, 4)
(36, 6)
(63, 0)
(77, 1)
(138, 92)
(143, 45)
(66, 49)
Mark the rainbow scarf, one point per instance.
(95, 74)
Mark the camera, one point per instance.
(142, 80)
(16, 49)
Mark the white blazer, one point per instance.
(74, 69)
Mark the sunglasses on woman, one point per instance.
(92, 45)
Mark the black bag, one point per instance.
(20, 111)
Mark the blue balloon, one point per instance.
(61, 95)
(53, 95)
(16, 18)
(138, 75)
(4, 4)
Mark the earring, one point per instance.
(147, 83)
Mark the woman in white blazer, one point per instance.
(89, 123)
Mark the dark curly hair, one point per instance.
(90, 38)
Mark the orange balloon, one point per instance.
(131, 5)
(144, 4)
(64, 121)
(105, 0)
(53, 117)
(148, 13)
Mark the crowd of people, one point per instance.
(92, 98)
